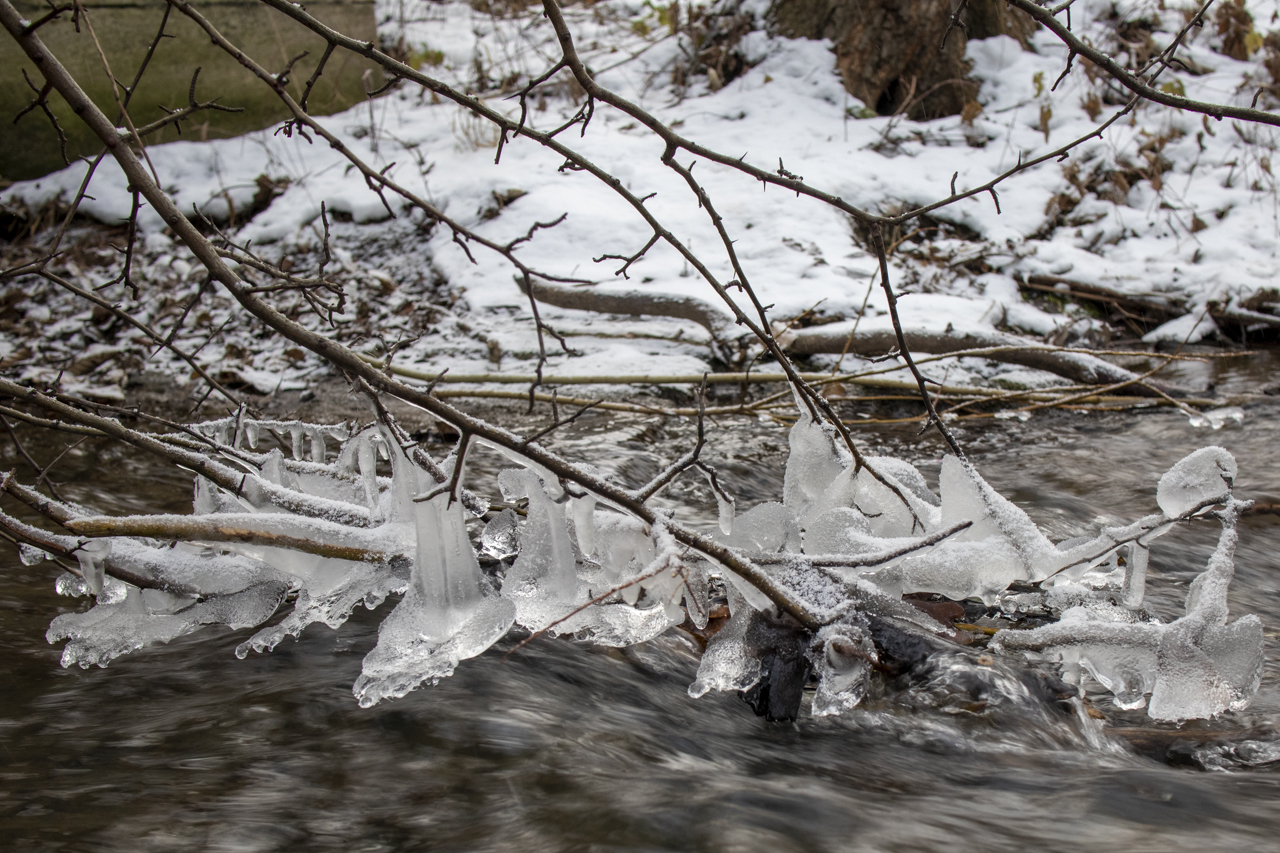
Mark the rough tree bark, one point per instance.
(891, 53)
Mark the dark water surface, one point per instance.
(567, 747)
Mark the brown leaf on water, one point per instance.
(716, 619)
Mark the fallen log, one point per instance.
(1011, 349)
(1153, 309)
(640, 303)
(1235, 313)
(835, 339)
(1149, 309)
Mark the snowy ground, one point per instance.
(1163, 203)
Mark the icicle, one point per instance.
(447, 613)
(623, 547)
(583, 524)
(1195, 667)
(133, 620)
(767, 528)
(1135, 575)
(843, 657)
(697, 601)
(544, 583)
(811, 466)
(367, 460)
(203, 501)
(295, 440)
(317, 445)
(961, 570)
(725, 503)
(92, 555)
(500, 538)
(550, 482)
(967, 497)
(729, 663)
(70, 585)
(840, 530)
(745, 591)
(894, 517)
(544, 576)
(273, 470)
(1217, 418)
(366, 583)
(1204, 475)
(209, 498)
(251, 433)
(613, 624)
(446, 578)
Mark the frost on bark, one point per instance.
(891, 54)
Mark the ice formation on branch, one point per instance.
(449, 612)
(847, 542)
(1196, 666)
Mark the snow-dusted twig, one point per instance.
(871, 558)
(225, 527)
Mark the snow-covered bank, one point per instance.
(1164, 203)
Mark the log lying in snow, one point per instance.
(1150, 308)
(1078, 367)
(1239, 315)
(1155, 308)
(640, 303)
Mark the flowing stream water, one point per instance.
(567, 747)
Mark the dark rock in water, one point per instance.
(776, 696)
(901, 650)
(1049, 686)
(974, 610)
(784, 669)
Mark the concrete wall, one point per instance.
(125, 28)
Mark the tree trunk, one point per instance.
(891, 53)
